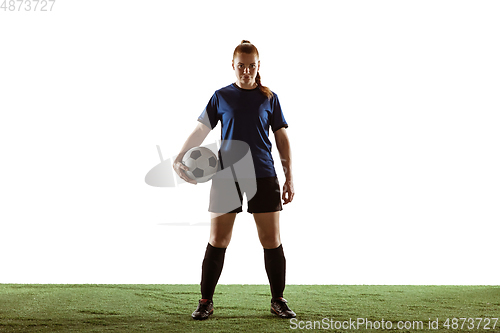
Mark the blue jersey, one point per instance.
(246, 115)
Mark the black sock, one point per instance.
(274, 260)
(211, 270)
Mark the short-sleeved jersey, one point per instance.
(246, 115)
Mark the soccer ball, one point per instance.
(202, 164)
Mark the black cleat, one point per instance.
(204, 310)
(279, 308)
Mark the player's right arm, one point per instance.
(195, 139)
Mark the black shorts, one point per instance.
(263, 195)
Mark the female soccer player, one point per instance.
(246, 110)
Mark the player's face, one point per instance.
(246, 67)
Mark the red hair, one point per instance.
(248, 48)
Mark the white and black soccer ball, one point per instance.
(202, 164)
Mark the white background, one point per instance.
(394, 124)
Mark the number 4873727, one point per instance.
(470, 323)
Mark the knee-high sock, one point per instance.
(274, 260)
(211, 270)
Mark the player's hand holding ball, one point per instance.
(180, 169)
(198, 165)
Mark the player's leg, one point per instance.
(268, 230)
(224, 196)
(269, 235)
(265, 206)
(221, 229)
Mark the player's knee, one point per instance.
(270, 241)
(218, 241)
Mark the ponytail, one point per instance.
(265, 90)
(248, 48)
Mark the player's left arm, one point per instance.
(283, 145)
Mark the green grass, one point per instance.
(238, 308)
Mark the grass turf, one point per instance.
(238, 308)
